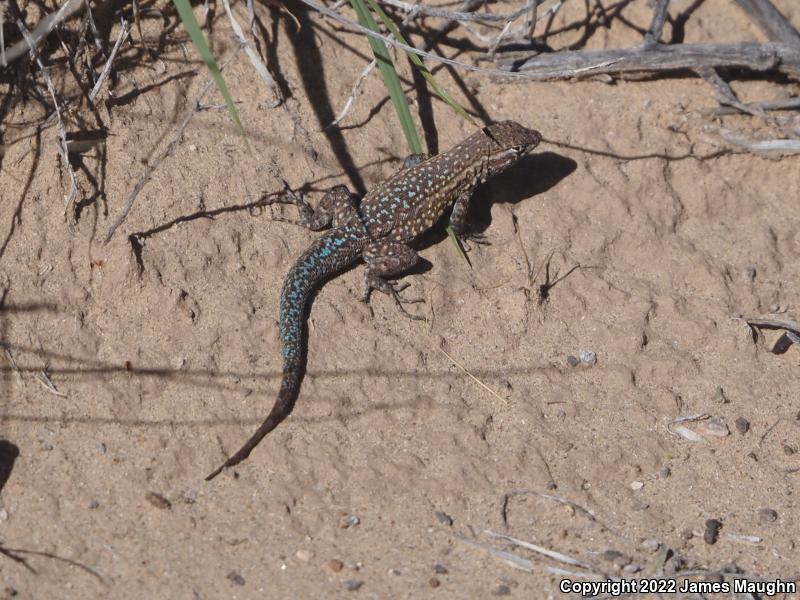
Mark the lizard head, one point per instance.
(507, 142)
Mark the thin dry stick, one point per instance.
(658, 58)
(771, 323)
(353, 26)
(62, 132)
(170, 149)
(657, 26)
(43, 27)
(427, 11)
(727, 97)
(778, 104)
(563, 558)
(367, 70)
(771, 21)
(353, 93)
(123, 35)
(510, 559)
(768, 146)
(255, 60)
(475, 379)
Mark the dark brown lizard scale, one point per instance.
(378, 231)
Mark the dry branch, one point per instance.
(656, 58)
(45, 26)
(771, 21)
(255, 60)
(123, 35)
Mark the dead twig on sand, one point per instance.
(62, 132)
(771, 21)
(657, 58)
(43, 27)
(123, 35)
(255, 60)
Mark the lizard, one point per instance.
(380, 231)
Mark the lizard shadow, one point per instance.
(531, 176)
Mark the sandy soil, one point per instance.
(396, 463)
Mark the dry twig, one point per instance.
(44, 27)
(658, 58)
(123, 35)
(255, 60)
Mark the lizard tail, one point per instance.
(282, 408)
(324, 258)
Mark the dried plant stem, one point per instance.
(45, 26)
(255, 60)
(62, 132)
(656, 58)
(771, 21)
(123, 35)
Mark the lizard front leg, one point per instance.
(385, 259)
(459, 222)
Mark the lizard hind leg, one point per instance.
(385, 259)
(337, 207)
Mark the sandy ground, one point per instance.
(395, 465)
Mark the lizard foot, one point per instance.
(393, 289)
(467, 239)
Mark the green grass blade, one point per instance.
(193, 28)
(390, 78)
(438, 90)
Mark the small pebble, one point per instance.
(632, 568)
(636, 485)
(742, 425)
(304, 555)
(687, 534)
(588, 357)
(334, 565)
(788, 450)
(394, 572)
(501, 590)
(235, 578)
(190, 497)
(444, 518)
(666, 471)
(353, 585)
(750, 272)
(3, 514)
(573, 361)
(713, 427)
(94, 504)
(10, 592)
(767, 515)
(158, 500)
(101, 447)
(439, 569)
(651, 544)
(434, 583)
(349, 521)
(711, 533)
